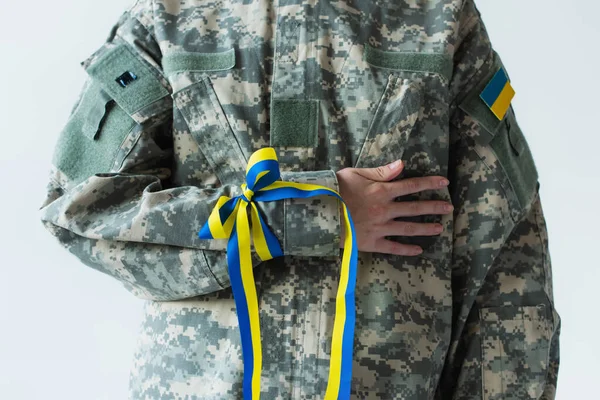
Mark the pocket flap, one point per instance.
(192, 61)
(438, 63)
(126, 78)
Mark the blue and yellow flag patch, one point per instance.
(498, 94)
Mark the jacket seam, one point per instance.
(544, 257)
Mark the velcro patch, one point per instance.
(189, 61)
(294, 122)
(127, 79)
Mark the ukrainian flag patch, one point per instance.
(498, 94)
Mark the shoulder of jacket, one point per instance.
(142, 10)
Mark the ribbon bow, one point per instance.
(229, 220)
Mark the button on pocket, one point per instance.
(515, 345)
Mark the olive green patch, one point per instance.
(138, 93)
(516, 159)
(438, 63)
(90, 140)
(294, 122)
(175, 62)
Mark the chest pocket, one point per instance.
(410, 123)
(400, 104)
(392, 123)
(504, 148)
(196, 102)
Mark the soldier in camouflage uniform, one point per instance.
(183, 92)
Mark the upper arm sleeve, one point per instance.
(110, 197)
(505, 325)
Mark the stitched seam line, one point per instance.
(316, 378)
(482, 332)
(115, 164)
(211, 271)
(545, 265)
(387, 91)
(228, 130)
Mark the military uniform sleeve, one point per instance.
(110, 198)
(505, 333)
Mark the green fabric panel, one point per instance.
(294, 122)
(409, 61)
(82, 150)
(198, 61)
(519, 167)
(139, 93)
(515, 135)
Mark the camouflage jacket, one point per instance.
(183, 92)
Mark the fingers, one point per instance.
(411, 185)
(403, 228)
(390, 247)
(383, 173)
(421, 207)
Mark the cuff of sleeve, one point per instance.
(311, 227)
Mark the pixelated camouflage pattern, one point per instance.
(472, 317)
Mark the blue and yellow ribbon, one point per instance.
(228, 220)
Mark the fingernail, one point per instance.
(449, 207)
(395, 164)
(444, 182)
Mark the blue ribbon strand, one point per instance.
(228, 220)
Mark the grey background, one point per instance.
(68, 332)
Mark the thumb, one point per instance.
(383, 173)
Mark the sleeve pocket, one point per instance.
(122, 91)
(510, 158)
(515, 345)
(516, 159)
(90, 140)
